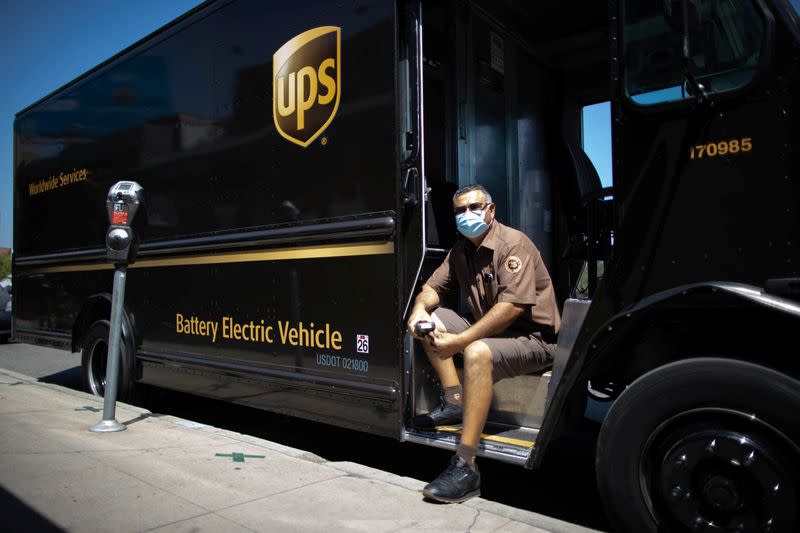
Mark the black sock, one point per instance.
(454, 395)
(467, 453)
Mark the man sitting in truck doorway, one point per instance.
(508, 290)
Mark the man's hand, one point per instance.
(426, 299)
(446, 345)
(417, 314)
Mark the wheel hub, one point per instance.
(721, 493)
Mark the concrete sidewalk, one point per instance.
(169, 474)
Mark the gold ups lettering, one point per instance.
(306, 73)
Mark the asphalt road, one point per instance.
(564, 488)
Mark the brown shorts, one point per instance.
(514, 353)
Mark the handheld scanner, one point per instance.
(424, 327)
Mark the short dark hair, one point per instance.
(473, 187)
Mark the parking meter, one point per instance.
(123, 202)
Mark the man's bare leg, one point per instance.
(450, 410)
(477, 397)
(461, 480)
(445, 368)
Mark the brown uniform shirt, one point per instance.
(506, 267)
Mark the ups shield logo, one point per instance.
(305, 84)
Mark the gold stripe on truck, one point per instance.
(279, 254)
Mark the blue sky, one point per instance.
(597, 139)
(47, 43)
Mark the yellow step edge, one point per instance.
(492, 438)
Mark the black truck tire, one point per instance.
(94, 357)
(702, 444)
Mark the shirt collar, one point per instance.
(490, 241)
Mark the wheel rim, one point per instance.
(98, 358)
(720, 470)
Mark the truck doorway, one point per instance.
(495, 113)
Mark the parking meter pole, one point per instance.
(109, 422)
(124, 199)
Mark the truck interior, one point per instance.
(504, 84)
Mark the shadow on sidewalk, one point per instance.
(17, 516)
(70, 377)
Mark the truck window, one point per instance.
(725, 45)
(596, 128)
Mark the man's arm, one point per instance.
(497, 320)
(427, 299)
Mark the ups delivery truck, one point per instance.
(299, 159)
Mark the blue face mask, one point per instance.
(471, 224)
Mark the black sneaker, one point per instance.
(456, 484)
(447, 414)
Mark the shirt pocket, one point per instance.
(490, 286)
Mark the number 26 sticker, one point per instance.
(362, 343)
